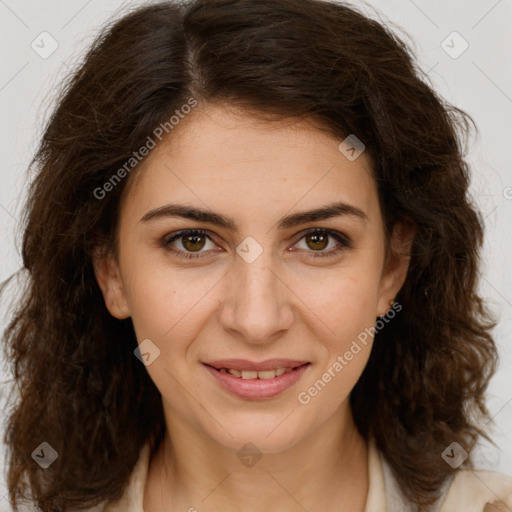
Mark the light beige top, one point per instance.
(469, 491)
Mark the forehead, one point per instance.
(220, 158)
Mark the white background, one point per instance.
(479, 81)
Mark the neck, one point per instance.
(326, 471)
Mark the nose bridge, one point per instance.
(256, 303)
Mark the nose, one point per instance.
(257, 305)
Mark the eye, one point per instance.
(193, 243)
(186, 243)
(324, 242)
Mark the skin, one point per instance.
(288, 303)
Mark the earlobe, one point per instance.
(108, 277)
(397, 263)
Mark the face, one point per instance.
(253, 241)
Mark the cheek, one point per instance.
(168, 307)
(346, 307)
(345, 301)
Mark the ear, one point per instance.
(396, 265)
(106, 270)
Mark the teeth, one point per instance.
(267, 374)
(250, 374)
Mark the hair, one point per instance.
(81, 388)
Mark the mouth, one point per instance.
(257, 381)
(252, 366)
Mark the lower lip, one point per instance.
(257, 389)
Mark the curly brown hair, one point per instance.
(81, 388)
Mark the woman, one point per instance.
(252, 267)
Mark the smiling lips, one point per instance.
(248, 374)
(250, 370)
(251, 380)
(244, 364)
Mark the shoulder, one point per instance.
(468, 490)
(478, 491)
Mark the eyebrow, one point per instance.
(187, 212)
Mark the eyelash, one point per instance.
(344, 242)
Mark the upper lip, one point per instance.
(244, 364)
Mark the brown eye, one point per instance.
(317, 242)
(323, 242)
(193, 243)
(189, 243)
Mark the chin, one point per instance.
(266, 439)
